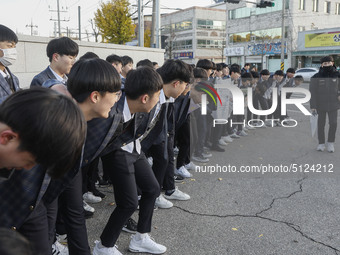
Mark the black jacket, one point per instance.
(325, 90)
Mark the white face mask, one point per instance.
(9, 57)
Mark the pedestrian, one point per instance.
(325, 100)
(9, 83)
(61, 53)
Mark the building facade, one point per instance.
(254, 34)
(195, 33)
(250, 35)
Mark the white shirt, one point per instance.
(63, 80)
(162, 100)
(128, 116)
(4, 74)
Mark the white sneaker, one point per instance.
(242, 133)
(178, 195)
(321, 147)
(222, 142)
(227, 139)
(206, 154)
(161, 202)
(87, 207)
(99, 249)
(234, 135)
(330, 147)
(145, 244)
(190, 166)
(250, 127)
(58, 248)
(62, 239)
(182, 171)
(90, 198)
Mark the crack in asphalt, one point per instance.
(293, 226)
(278, 198)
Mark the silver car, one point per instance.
(306, 73)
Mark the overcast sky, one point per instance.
(18, 14)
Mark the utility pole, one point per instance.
(158, 24)
(140, 24)
(79, 23)
(32, 26)
(58, 19)
(283, 35)
(226, 31)
(153, 26)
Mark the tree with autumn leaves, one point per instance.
(114, 22)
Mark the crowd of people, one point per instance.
(133, 121)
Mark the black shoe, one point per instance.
(217, 148)
(88, 214)
(130, 226)
(178, 178)
(97, 193)
(103, 182)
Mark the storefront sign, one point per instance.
(188, 54)
(322, 39)
(265, 49)
(234, 51)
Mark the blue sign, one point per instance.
(266, 49)
(188, 54)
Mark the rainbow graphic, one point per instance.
(210, 91)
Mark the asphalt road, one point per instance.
(251, 213)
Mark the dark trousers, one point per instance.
(72, 213)
(35, 229)
(90, 176)
(260, 101)
(163, 163)
(183, 142)
(332, 120)
(202, 129)
(127, 170)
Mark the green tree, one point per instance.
(147, 37)
(114, 22)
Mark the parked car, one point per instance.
(306, 73)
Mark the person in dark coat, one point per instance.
(325, 99)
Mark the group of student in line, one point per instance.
(80, 112)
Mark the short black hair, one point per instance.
(50, 126)
(113, 58)
(224, 65)
(154, 63)
(279, 73)
(91, 75)
(200, 73)
(7, 34)
(13, 243)
(255, 74)
(265, 72)
(126, 60)
(234, 69)
(143, 80)
(145, 62)
(219, 67)
(246, 77)
(173, 70)
(326, 59)
(89, 55)
(205, 64)
(246, 64)
(290, 70)
(62, 46)
(299, 77)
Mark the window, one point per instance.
(315, 5)
(337, 8)
(175, 27)
(211, 24)
(202, 43)
(302, 5)
(247, 12)
(258, 35)
(327, 7)
(182, 45)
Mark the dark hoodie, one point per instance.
(325, 90)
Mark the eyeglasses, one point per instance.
(118, 94)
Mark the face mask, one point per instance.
(9, 57)
(328, 69)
